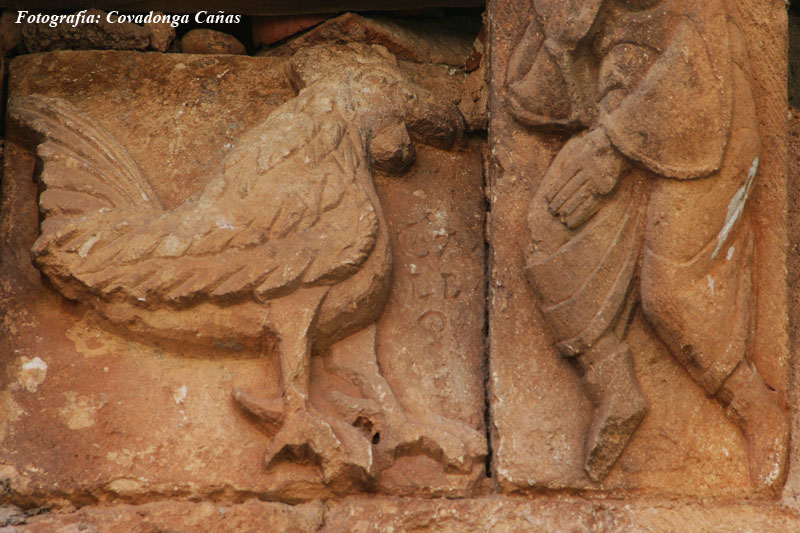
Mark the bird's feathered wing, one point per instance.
(287, 209)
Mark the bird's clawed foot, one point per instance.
(396, 433)
(302, 434)
(457, 446)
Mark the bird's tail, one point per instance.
(82, 168)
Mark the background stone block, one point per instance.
(94, 413)
(540, 414)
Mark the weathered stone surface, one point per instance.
(582, 253)
(362, 515)
(11, 515)
(443, 42)
(430, 337)
(205, 41)
(161, 35)
(791, 492)
(116, 424)
(103, 35)
(88, 383)
(251, 515)
(268, 30)
(794, 58)
(555, 514)
(474, 102)
(10, 31)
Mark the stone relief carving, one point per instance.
(646, 204)
(285, 252)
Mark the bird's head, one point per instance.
(366, 83)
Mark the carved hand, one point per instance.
(585, 170)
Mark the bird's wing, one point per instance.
(287, 209)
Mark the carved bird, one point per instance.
(286, 246)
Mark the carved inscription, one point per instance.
(435, 247)
(434, 318)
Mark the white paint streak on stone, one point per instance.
(776, 466)
(731, 250)
(224, 224)
(710, 283)
(735, 208)
(86, 247)
(180, 394)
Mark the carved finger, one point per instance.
(570, 187)
(554, 176)
(583, 213)
(553, 186)
(575, 201)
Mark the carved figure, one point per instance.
(647, 203)
(285, 247)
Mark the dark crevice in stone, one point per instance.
(794, 54)
(487, 411)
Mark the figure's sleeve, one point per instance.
(675, 120)
(543, 85)
(544, 88)
(567, 22)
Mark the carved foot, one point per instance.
(380, 415)
(305, 435)
(619, 407)
(763, 423)
(767, 437)
(454, 444)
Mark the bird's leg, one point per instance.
(305, 435)
(294, 325)
(454, 444)
(293, 318)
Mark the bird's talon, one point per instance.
(269, 413)
(309, 437)
(453, 444)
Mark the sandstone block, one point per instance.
(268, 30)
(153, 388)
(634, 344)
(103, 35)
(205, 41)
